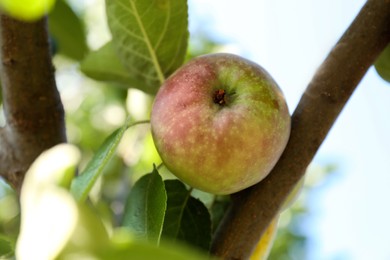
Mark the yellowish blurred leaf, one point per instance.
(27, 10)
(49, 212)
(264, 246)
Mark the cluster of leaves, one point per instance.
(149, 42)
(141, 55)
(57, 223)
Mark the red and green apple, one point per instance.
(220, 123)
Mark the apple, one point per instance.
(220, 123)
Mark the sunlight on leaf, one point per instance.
(28, 10)
(49, 212)
(150, 36)
(46, 228)
(54, 167)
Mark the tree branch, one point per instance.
(253, 209)
(32, 106)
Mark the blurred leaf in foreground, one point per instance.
(27, 10)
(67, 30)
(49, 212)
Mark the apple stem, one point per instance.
(220, 97)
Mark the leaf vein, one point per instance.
(126, 30)
(148, 43)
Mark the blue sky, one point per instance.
(290, 39)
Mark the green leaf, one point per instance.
(67, 30)
(28, 10)
(382, 64)
(89, 237)
(186, 219)
(83, 183)
(104, 64)
(150, 36)
(218, 210)
(124, 247)
(6, 247)
(48, 211)
(145, 207)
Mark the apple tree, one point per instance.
(160, 217)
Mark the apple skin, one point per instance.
(220, 123)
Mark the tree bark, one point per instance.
(32, 107)
(253, 209)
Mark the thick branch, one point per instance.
(323, 100)
(32, 106)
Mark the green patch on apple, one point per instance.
(220, 123)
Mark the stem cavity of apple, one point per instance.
(220, 97)
(223, 98)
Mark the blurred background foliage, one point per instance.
(95, 109)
